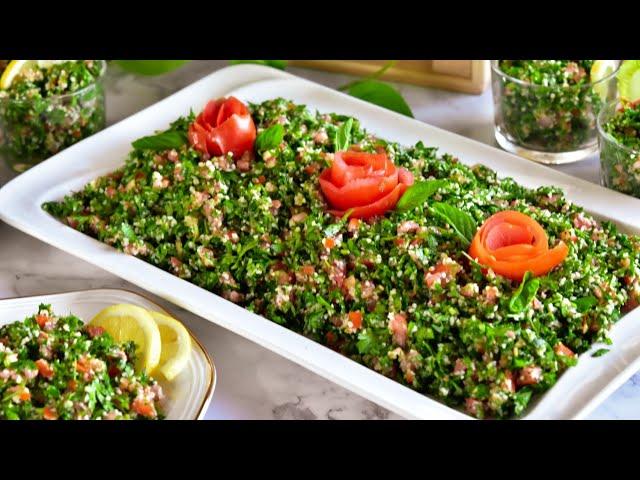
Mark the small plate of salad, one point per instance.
(100, 354)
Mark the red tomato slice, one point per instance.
(376, 208)
(237, 134)
(351, 165)
(209, 115)
(405, 176)
(229, 107)
(359, 192)
(225, 125)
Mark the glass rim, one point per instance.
(101, 74)
(497, 71)
(606, 135)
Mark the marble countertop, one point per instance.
(253, 382)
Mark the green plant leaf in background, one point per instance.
(381, 94)
(279, 64)
(150, 67)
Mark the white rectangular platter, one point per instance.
(187, 396)
(577, 392)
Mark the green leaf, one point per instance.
(377, 74)
(461, 222)
(270, 138)
(161, 141)
(585, 303)
(279, 64)
(600, 352)
(381, 94)
(150, 67)
(343, 136)
(127, 231)
(523, 296)
(418, 193)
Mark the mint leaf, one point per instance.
(600, 352)
(381, 94)
(279, 64)
(418, 193)
(523, 296)
(127, 231)
(270, 138)
(162, 141)
(343, 136)
(585, 303)
(461, 222)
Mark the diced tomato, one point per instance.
(308, 269)
(331, 338)
(329, 243)
(144, 408)
(49, 413)
(563, 350)
(72, 385)
(42, 320)
(82, 365)
(398, 327)
(93, 331)
(356, 319)
(44, 369)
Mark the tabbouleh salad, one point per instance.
(54, 367)
(554, 111)
(47, 109)
(621, 166)
(397, 293)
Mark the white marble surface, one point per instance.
(253, 382)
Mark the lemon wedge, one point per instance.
(599, 70)
(15, 68)
(629, 80)
(176, 345)
(127, 323)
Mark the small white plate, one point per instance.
(187, 396)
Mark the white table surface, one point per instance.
(253, 382)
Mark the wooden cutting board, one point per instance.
(469, 76)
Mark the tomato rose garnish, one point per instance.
(512, 243)
(225, 125)
(368, 183)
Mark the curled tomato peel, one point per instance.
(512, 243)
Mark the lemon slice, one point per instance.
(629, 80)
(599, 70)
(15, 68)
(176, 345)
(131, 323)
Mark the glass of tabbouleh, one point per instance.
(546, 110)
(46, 110)
(619, 137)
